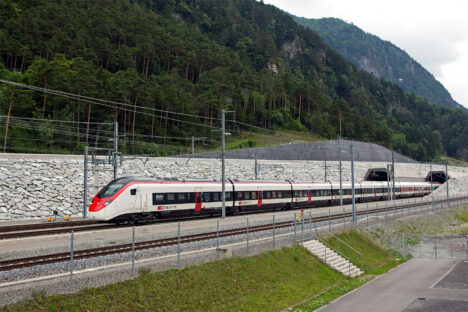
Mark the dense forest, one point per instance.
(167, 69)
(381, 58)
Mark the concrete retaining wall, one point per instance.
(32, 186)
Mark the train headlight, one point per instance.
(108, 202)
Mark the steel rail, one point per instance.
(38, 229)
(11, 264)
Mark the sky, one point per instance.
(433, 32)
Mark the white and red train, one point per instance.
(144, 199)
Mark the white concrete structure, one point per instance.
(332, 259)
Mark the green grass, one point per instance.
(376, 259)
(452, 161)
(271, 281)
(263, 140)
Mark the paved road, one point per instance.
(418, 285)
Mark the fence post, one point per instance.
(302, 227)
(377, 212)
(178, 245)
(295, 230)
(367, 216)
(71, 263)
(247, 236)
(325, 248)
(420, 247)
(403, 241)
(451, 254)
(133, 251)
(466, 245)
(217, 239)
(273, 232)
(310, 225)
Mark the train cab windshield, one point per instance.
(112, 188)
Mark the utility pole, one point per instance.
(256, 167)
(446, 183)
(116, 148)
(85, 182)
(223, 166)
(388, 181)
(430, 171)
(193, 146)
(325, 175)
(393, 175)
(352, 182)
(341, 180)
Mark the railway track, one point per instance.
(7, 265)
(63, 227)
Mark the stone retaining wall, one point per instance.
(32, 186)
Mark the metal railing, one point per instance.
(339, 249)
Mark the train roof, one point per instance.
(126, 180)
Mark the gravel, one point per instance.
(457, 187)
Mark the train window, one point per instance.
(287, 193)
(215, 196)
(110, 189)
(181, 197)
(246, 195)
(132, 191)
(206, 197)
(273, 194)
(296, 193)
(170, 197)
(267, 194)
(158, 199)
(239, 195)
(253, 195)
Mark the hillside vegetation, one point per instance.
(381, 58)
(153, 58)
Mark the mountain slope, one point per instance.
(160, 61)
(381, 58)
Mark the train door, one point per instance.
(260, 198)
(143, 200)
(131, 202)
(309, 196)
(198, 199)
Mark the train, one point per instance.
(133, 199)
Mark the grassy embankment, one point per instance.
(451, 221)
(261, 140)
(271, 281)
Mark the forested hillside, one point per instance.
(153, 58)
(381, 58)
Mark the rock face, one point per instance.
(33, 186)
